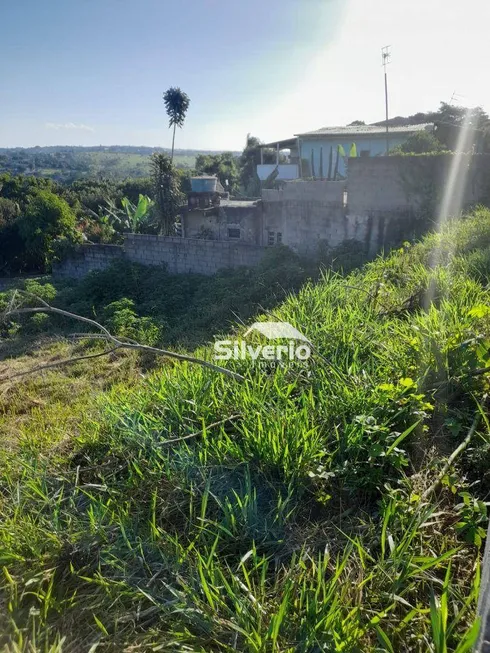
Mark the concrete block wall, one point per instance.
(182, 255)
(86, 259)
(303, 225)
(179, 255)
(305, 213)
(375, 185)
(403, 184)
(324, 192)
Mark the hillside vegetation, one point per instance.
(62, 163)
(43, 216)
(308, 508)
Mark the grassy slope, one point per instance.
(45, 409)
(296, 522)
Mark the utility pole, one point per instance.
(386, 58)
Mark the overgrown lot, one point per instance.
(309, 508)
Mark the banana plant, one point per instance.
(132, 217)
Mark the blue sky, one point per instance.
(93, 71)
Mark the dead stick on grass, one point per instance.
(119, 344)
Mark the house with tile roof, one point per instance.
(324, 153)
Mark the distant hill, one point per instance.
(66, 163)
(124, 149)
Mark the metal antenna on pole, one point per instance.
(386, 58)
(456, 97)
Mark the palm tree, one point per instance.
(176, 104)
(168, 196)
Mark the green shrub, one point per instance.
(122, 320)
(421, 142)
(47, 226)
(45, 291)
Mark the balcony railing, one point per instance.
(285, 170)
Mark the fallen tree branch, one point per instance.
(119, 344)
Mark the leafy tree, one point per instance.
(224, 166)
(455, 115)
(356, 123)
(249, 160)
(19, 188)
(447, 119)
(15, 194)
(421, 142)
(176, 104)
(12, 250)
(450, 116)
(47, 225)
(184, 177)
(9, 211)
(92, 194)
(168, 196)
(133, 188)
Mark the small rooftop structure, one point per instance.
(204, 184)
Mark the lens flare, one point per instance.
(453, 200)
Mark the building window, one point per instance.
(234, 233)
(279, 238)
(270, 238)
(365, 153)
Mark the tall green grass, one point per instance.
(286, 513)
